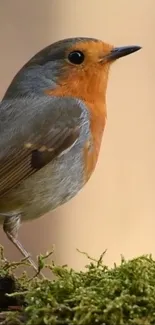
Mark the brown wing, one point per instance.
(27, 161)
(35, 148)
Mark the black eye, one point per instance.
(76, 57)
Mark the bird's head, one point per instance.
(79, 66)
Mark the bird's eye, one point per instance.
(76, 57)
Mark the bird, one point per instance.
(52, 119)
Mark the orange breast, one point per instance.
(95, 102)
(97, 124)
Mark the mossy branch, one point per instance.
(122, 295)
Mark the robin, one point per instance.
(52, 119)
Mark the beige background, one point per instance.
(116, 210)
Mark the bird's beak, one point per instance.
(119, 52)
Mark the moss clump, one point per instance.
(122, 295)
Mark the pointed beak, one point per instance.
(119, 52)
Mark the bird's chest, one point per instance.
(92, 147)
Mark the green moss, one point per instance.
(121, 295)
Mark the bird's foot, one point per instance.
(11, 226)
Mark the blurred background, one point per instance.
(116, 209)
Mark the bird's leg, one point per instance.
(11, 226)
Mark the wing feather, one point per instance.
(33, 132)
